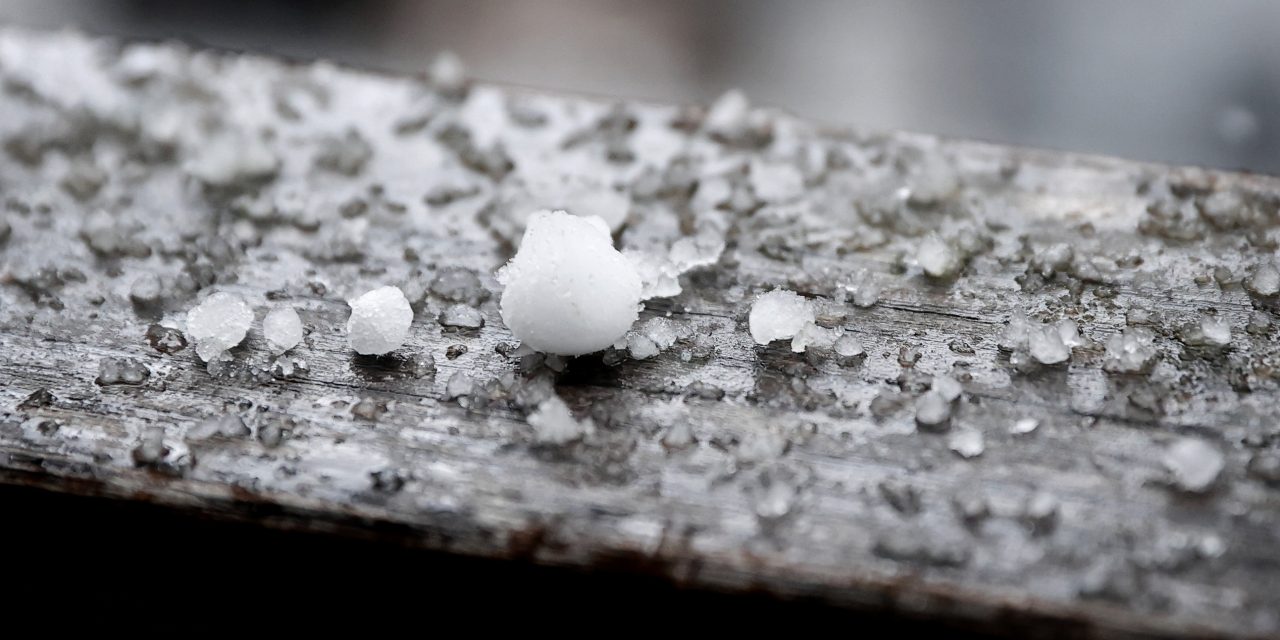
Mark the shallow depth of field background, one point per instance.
(1179, 81)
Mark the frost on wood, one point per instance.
(218, 323)
(379, 321)
(567, 290)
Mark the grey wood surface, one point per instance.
(718, 463)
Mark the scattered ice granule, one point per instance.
(108, 237)
(282, 328)
(461, 316)
(679, 435)
(659, 278)
(448, 74)
(847, 349)
(1040, 513)
(347, 154)
(458, 284)
(702, 249)
(937, 257)
(811, 335)
(1215, 330)
(779, 315)
(568, 291)
(460, 385)
(711, 193)
(935, 180)
(231, 158)
(1016, 332)
(1024, 426)
(1130, 351)
(640, 347)
(553, 423)
(1194, 463)
(967, 443)
(286, 367)
(146, 290)
(1069, 332)
(729, 116)
(218, 323)
(776, 182)
(933, 410)
(652, 337)
(121, 371)
(1265, 280)
(150, 449)
(864, 289)
(948, 387)
(379, 321)
(1053, 259)
(227, 425)
(1046, 346)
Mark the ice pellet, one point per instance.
(1046, 346)
(1131, 351)
(948, 387)
(568, 291)
(379, 321)
(1194, 464)
(967, 443)
(779, 315)
(933, 411)
(1265, 281)
(1024, 426)
(218, 323)
(282, 328)
(461, 316)
(937, 258)
(553, 423)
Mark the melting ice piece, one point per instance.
(1130, 351)
(282, 328)
(1194, 463)
(553, 423)
(568, 291)
(779, 315)
(937, 258)
(218, 323)
(967, 443)
(379, 321)
(1046, 345)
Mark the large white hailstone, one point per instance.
(218, 323)
(379, 321)
(568, 291)
(779, 315)
(282, 328)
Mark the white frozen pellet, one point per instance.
(553, 423)
(568, 291)
(379, 321)
(779, 315)
(218, 323)
(282, 328)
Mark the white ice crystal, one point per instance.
(967, 443)
(1046, 346)
(553, 423)
(730, 115)
(776, 182)
(282, 328)
(379, 321)
(218, 323)
(937, 257)
(779, 315)
(1130, 351)
(228, 159)
(568, 291)
(1194, 463)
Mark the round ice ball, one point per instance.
(379, 321)
(568, 291)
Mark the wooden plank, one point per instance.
(805, 476)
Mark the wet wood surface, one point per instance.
(138, 179)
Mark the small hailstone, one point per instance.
(1024, 426)
(218, 323)
(448, 73)
(1215, 331)
(640, 347)
(568, 291)
(848, 350)
(379, 321)
(811, 335)
(459, 385)
(779, 315)
(967, 443)
(282, 328)
(229, 159)
(461, 316)
(1131, 351)
(1069, 332)
(1265, 281)
(553, 423)
(776, 182)
(947, 387)
(937, 257)
(1016, 332)
(865, 289)
(729, 116)
(1194, 463)
(659, 278)
(699, 250)
(932, 410)
(1046, 346)
(146, 290)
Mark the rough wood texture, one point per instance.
(800, 474)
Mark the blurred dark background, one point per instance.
(1179, 81)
